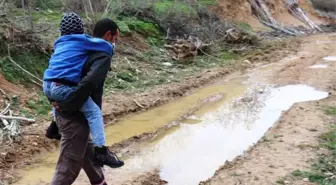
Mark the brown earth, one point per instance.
(152, 178)
(32, 142)
(292, 143)
(26, 148)
(289, 145)
(240, 10)
(119, 104)
(237, 10)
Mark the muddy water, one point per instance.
(233, 117)
(193, 152)
(149, 121)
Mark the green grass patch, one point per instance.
(45, 4)
(52, 16)
(330, 111)
(162, 7)
(35, 63)
(123, 27)
(317, 177)
(323, 170)
(207, 2)
(155, 68)
(281, 181)
(244, 26)
(227, 55)
(147, 29)
(155, 41)
(41, 106)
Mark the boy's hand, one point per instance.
(55, 105)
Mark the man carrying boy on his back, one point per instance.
(67, 78)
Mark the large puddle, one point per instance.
(234, 118)
(193, 152)
(145, 122)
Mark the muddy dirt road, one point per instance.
(188, 140)
(291, 143)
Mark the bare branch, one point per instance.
(138, 104)
(10, 58)
(16, 118)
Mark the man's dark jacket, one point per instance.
(94, 73)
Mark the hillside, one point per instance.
(167, 50)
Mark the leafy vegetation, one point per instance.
(330, 111)
(41, 106)
(281, 181)
(243, 26)
(35, 63)
(208, 2)
(143, 69)
(146, 29)
(162, 7)
(45, 4)
(141, 76)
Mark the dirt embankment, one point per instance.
(240, 10)
(237, 10)
(293, 142)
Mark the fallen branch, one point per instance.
(2, 4)
(5, 110)
(278, 28)
(36, 83)
(261, 11)
(3, 92)
(185, 48)
(297, 12)
(10, 59)
(155, 101)
(17, 118)
(10, 125)
(138, 104)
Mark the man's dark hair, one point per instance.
(104, 26)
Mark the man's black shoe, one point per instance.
(52, 131)
(103, 156)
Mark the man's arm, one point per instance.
(99, 65)
(98, 94)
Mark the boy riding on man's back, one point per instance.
(64, 73)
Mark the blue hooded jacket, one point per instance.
(70, 55)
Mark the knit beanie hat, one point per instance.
(71, 24)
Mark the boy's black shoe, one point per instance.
(52, 131)
(103, 156)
